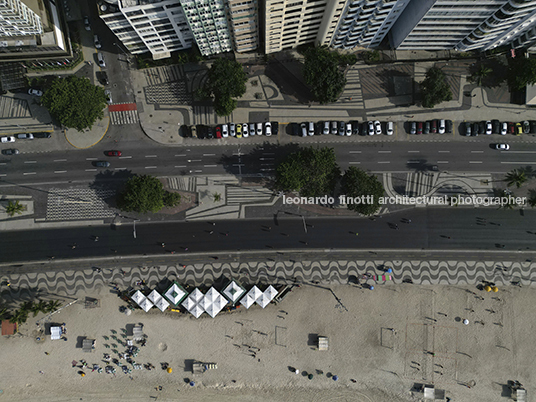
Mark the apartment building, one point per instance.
(156, 26)
(208, 23)
(17, 19)
(244, 24)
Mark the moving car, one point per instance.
(268, 129)
(245, 130)
(390, 128)
(97, 42)
(114, 153)
(502, 147)
(7, 139)
(370, 128)
(311, 129)
(489, 128)
(103, 164)
(87, 25)
(348, 129)
(25, 136)
(259, 128)
(325, 130)
(35, 92)
(225, 130)
(42, 135)
(377, 127)
(504, 128)
(108, 94)
(10, 151)
(100, 59)
(303, 130)
(334, 127)
(441, 128)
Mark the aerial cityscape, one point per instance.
(279, 200)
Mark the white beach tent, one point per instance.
(154, 296)
(251, 297)
(146, 305)
(175, 294)
(233, 292)
(138, 297)
(213, 302)
(193, 303)
(162, 304)
(267, 296)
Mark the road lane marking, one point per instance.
(91, 159)
(475, 161)
(194, 160)
(477, 152)
(60, 160)
(414, 152)
(120, 168)
(60, 171)
(442, 161)
(151, 156)
(181, 155)
(384, 152)
(150, 167)
(384, 161)
(29, 173)
(30, 162)
(518, 163)
(355, 152)
(444, 152)
(522, 152)
(91, 170)
(3, 175)
(180, 166)
(125, 157)
(355, 163)
(210, 165)
(209, 154)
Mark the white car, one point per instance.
(488, 128)
(108, 94)
(268, 128)
(370, 128)
(224, 130)
(232, 129)
(377, 127)
(504, 128)
(311, 129)
(100, 59)
(97, 42)
(87, 24)
(348, 129)
(502, 147)
(245, 131)
(303, 127)
(259, 128)
(390, 128)
(26, 136)
(7, 139)
(251, 128)
(35, 92)
(441, 128)
(326, 128)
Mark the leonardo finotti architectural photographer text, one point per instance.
(405, 200)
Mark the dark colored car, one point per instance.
(448, 126)
(495, 127)
(201, 132)
(533, 127)
(355, 127)
(468, 130)
(433, 129)
(427, 127)
(102, 164)
(511, 127)
(296, 129)
(419, 127)
(103, 77)
(482, 127)
(210, 133)
(275, 127)
(185, 130)
(10, 151)
(42, 135)
(113, 153)
(476, 129)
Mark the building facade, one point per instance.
(158, 27)
(244, 24)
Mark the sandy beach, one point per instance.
(381, 343)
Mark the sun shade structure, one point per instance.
(146, 305)
(193, 303)
(55, 333)
(154, 296)
(251, 297)
(233, 292)
(213, 302)
(266, 297)
(138, 297)
(162, 304)
(175, 294)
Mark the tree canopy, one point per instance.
(356, 183)
(323, 74)
(75, 102)
(311, 171)
(434, 88)
(521, 72)
(226, 79)
(142, 194)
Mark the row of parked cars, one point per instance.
(496, 127)
(237, 130)
(343, 128)
(430, 127)
(23, 136)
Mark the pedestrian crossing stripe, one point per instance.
(124, 117)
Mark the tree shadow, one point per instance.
(108, 184)
(287, 75)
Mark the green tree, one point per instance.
(323, 74)
(52, 305)
(521, 72)
(356, 183)
(19, 316)
(311, 171)
(516, 177)
(434, 88)
(480, 74)
(171, 199)
(75, 102)
(226, 79)
(14, 208)
(532, 198)
(142, 194)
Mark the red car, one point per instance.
(113, 153)
(511, 128)
(218, 132)
(419, 127)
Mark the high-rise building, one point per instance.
(17, 19)
(208, 24)
(244, 24)
(156, 26)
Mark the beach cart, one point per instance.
(323, 343)
(200, 368)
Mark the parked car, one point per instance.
(268, 129)
(209, 132)
(412, 127)
(232, 129)
(504, 128)
(433, 129)
(476, 129)
(370, 128)
(342, 127)
(100, 59)
(245, 130)
(295, 129)
(489, 128)
(102, 77)
(303, 130)
(218, 132)
(42, 135)
(481, 127)
(9, 138)
(311, 130)
(377, 127)
(441, 128)
(468, 130)
(10, 151)
(113, 153)
(519, 129)
(87, 25)
(224, 130)
(348, 129)
(103, 164)
(35, 92)
(427, 126)
(448, 126)
(533, 127)
(108, 94)
(502, 147)
(495, 126)
(97, 42)
(390, 128)
(355, 127)
(275, 127)
(511, 127)
(526, 127)
(334, 127)
(419, 127)
(239, 130)
(25, 136)
(259, 128)
(251, 128)
(325, 130)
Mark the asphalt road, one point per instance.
(430, 229)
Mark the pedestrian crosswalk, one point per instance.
(123, 113)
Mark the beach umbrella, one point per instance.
(466, 322)
(487, 288)
(310, 376)
(371, 288)
(389, 270)
(192, 383)
(335, 378)
(495, 289)
(83, 374)
(169, 370)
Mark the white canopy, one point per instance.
(233, 292)
(263, 301)
(175, 294)
(138, 297)
(270, 292)
(196, 295)
(162, 304)
(196, 311)
(55, 333)
(154, 296)
(251, 297)
(193, 303)
(213, 302)
(267, 296)
(146, 305)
